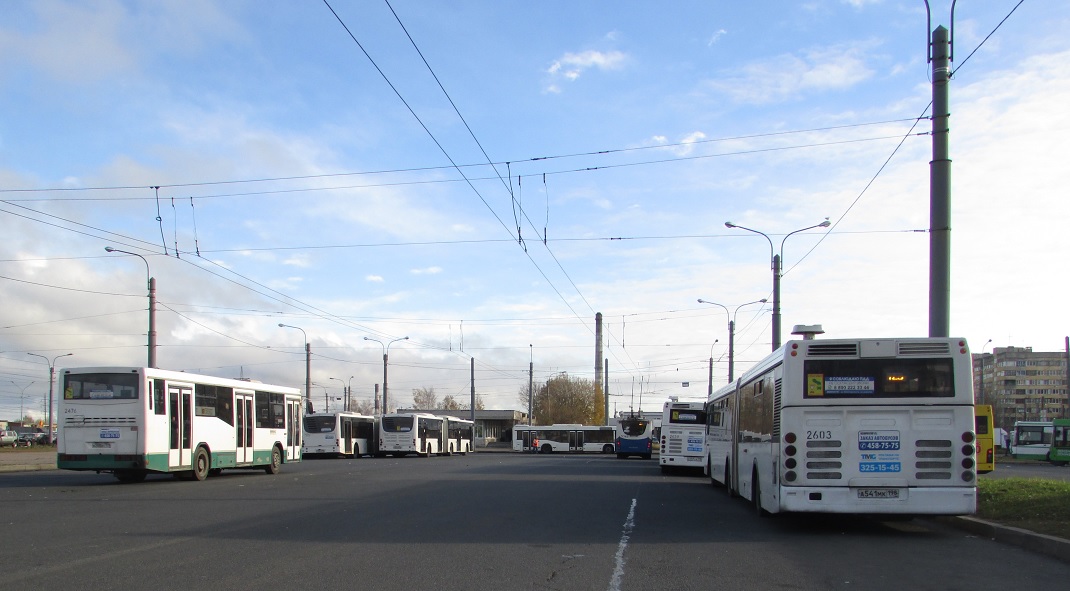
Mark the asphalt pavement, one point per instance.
(30, 460)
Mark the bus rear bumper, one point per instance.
(958, 500)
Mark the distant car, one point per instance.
(40, 438)
(27, 440)
(9, 438)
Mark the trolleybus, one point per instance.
(338, 434)
(881, 426)
(634, 437)
(133, 421)
(683, 435)
(563, 438)
(1031, 440)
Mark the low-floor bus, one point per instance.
(984, 428)
(564, 438)
(877, 426)
(683, 435)
(635, 437)
(460, 435)
(419, 433)
(338, 434)
(134, 421)
(1031, 440)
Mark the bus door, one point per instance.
(525, 437)
(575, 440)
(293, 429)
(243, 428)
(180, 409)
(347, 435)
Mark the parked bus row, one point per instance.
(348, 434)
(136, 421)
(874, 426)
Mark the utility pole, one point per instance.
(940, 190)
(531, 378)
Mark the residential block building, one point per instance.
(1022, 384)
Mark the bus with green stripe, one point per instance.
(136, 421)
(1060, 442)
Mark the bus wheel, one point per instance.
(276, 461)
(546, 448)
(607, 449)
(728, 480)
(202, 463)
(130, 476)
(451, 449)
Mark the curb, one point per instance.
(1015, 536)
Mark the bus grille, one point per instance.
(832, 350)
(932, 459)
(675, 446)
(827, 454)
(777, 401)
(925, 348)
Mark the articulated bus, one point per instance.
(1031, 440)
(136, 421)
(460, 433)
(984, 427)
(868, 426)
(563, 438)
(635, 437)
(683, 435)
(338, 434)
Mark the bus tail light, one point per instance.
(790, 437)
(967, 476)
(789, 476)
(967, 436)
(790, 463)
(967, 450)
(988, 456)
(967, 463)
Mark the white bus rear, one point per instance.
(339, 434)
(683, 435)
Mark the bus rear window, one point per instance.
(397, 424)
(101, 386)
(320, 423)
(633, 428)
(879, 378)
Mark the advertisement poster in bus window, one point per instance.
(878, 452)
(819, 385)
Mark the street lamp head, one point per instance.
(729, 225)
(281, 325)
(763, 300)
(825, 223)
(109, 249)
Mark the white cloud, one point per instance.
(716, 36)
(788, 76)
(572, 65)
(374, 278)
(427, 271)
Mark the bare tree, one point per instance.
(424, 398)
(364, 407)
(564, 399)
(450, 403)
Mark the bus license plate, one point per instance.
(878, 493)
(101, 444)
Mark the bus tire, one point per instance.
(202, 463)
(607, 449)
(451, 449)
(728, 480)
(275, 464)
(546, 448)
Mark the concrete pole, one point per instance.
(776, 308)
(940, 191)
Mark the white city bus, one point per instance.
(564, 438)
(136, 421)
(460, 435)
(877, 426)
(338, 434)
(1031, 440)
(683, 435)
(411, 433)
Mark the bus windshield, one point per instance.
(101, 386)
(397, 424)
(879, 378)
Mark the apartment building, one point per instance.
(1022, 384)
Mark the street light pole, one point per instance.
(343, 390)
(776, 260)
(51, 381)
(308, 364)
(349, 396)
(386, 353)
(987, 343)
(22, 399)
(152, 303)
(731, 335)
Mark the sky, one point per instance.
(485, 177)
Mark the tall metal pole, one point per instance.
(776, 305)
(152, 303)
(731, 336)
(531, 377)
(472, 404)
(386, 354)
(51, 383)
(940, 191)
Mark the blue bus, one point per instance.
(635, 437)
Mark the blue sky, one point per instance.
(301, 182)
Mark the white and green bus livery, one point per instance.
(135, 421)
